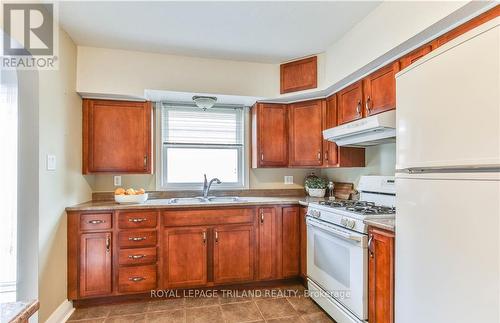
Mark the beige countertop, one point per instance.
(164, 203)
(386, 224)
(17, 312)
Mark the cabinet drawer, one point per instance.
(208, 217)
(131, 220)
(95, 221)
(137, 256)
(129, 239)
(137, 278)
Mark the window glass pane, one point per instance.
(183, 125)
(187, 165)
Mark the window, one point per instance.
(196, 142)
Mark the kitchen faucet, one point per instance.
(206, 185)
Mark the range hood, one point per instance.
(375, 130)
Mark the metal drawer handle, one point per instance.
(137, 220)
(136, 238)
(358, 107)
(370, 241)
(136, 279)
(136, 256)
(96, 221)
(108, 244)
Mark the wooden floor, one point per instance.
(276, 305)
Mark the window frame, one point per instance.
(162, 183)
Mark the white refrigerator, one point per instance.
(448, 183)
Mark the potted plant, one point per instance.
(317, 186)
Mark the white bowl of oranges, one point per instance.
(130, 196)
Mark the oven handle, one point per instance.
(333, 231)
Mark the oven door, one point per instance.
(337, 261)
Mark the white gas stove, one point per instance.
(337, 248)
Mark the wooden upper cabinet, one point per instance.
(330, 149)
(471, 24)
(414, 56)
(350, 102)
(290, 217)
(380, 90)
(185, 256)
(233, 253)
(381, 276)
(117, 137)
(299, 75)
(95, 264)
(269, 135)
(305, 133)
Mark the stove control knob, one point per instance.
(351, 224)
(315, 213)
(343, 221)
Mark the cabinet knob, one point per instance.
(262, 157)
(136, 256)
(326, 155)
(204, 237)
(145, 162)
(216, 236)
(358, 107)
(261, 216)
(367, 105)
(319, 155)
(136, 279)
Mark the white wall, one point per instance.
(60, 124)
(120, 72)
(386, 27)
(380, 160)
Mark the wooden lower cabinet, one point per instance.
(187, 248)
(266, 249)
(185, 256)
(381, 276)
(95, 264)
(290, 241)
(233, 253)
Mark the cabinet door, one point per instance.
(330, 149)
(350, 102)
(290, 241)
(306, 137)
(233, 253)
(380, 90)
(185, 256)
(95, 264)
(270, 138)
(303, 242)
(267, 249)
(414, 56)
(116, 136)
(381, 276)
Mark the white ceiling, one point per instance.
(270, 32)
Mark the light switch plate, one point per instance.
(117, 180)
(288, 180)
(51, 162)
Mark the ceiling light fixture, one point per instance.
(204, 102)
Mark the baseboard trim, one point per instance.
(62, 313)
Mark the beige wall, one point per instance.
(386, 27)
(60, 134)
(121, 72)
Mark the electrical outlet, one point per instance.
(288, 180)
(117, 180)
(51, 162)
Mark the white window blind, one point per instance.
(197, 142)
(195, 126)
